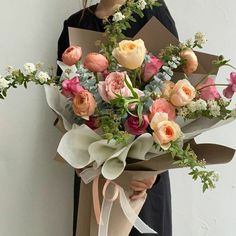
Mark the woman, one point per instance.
(156, 211)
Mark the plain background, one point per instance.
(36, 192)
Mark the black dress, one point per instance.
(156, 211)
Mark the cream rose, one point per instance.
(165, 130)
(130, 54)
(183, 93)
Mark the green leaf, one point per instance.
(135, 95)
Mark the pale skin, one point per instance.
(105, 9)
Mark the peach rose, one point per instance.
(162, 105)
(191, 61)
(84, 104)
(96, 62)
(113, 84)
(72, 55)
(167, 89)
(130, 54)
(182, 93)
(165, 130)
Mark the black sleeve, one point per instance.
(63, 44)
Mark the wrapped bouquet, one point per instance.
(132, 110)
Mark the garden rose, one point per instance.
(72, 55)
(162, 105)
(113, 84)
(151, 68)
(210, 92)
(167, 89)
(182, 93)
(96, 62)
(93, 122)
(191, 61)
(71, 87)
(165, 130)
(132, 125)
(130, 54)
(84, 104)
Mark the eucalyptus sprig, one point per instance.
(188, 158)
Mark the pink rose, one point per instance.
(84, 104)
(162, 105)
(93, 122)
(71, 87)
(96, 62)
(231, 89)
(151, 68)
(132, 125)
(210, 92)
(183, 93)
(113, 84)
(72, 55)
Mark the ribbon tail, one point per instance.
(105, 216)
(132, 216)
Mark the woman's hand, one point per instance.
(140, 187)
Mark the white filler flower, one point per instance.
(29, 68)
(3, 83)
(118, 16)
(141, 4)
(43, 77)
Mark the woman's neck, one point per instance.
(107, 8)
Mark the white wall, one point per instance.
(36, 192)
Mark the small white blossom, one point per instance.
(29, 68)
(118, 16)
(141, 4)
(183, 111)
(3, 83)
(200, 38)
(201, 105)
(223, 102)
(43, 77)
(192, 106)
(214, 108)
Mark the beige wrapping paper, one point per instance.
(118, 224)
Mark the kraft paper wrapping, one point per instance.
(118, 224)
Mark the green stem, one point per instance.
(210, 85)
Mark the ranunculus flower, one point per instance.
(162, 105)
(191, 61)
(71, 87)
(84, 104)
(182, 93)
(130, 54)
(96, 62)
(113, 84)
(209, 92)
(132, 125)
(93, 122)
(231, 89)
(151, 68)
(167, 89)
(165, 130)
(72, 55)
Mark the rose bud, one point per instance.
(191, 61)
(96, 62)
(72, 55)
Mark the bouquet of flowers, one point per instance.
(123, 105)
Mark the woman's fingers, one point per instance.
(138, 195)
(138, 186)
